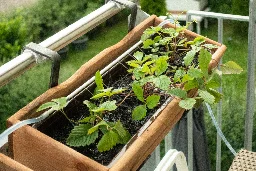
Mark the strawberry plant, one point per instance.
(168, 63)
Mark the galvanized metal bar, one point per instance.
(251, 78)
(219, 107)
(168, 143)
(26, 60)
(190, 139)
(217, 15)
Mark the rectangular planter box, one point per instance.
(40, 152)
(8, 164)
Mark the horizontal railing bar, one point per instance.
(26, 60)
(218, 15)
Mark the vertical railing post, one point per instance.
(250, 75)
(219, 107)
(190, 140)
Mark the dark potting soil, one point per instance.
(58, 127)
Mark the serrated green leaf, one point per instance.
(178, 75)
(161, 65)
(210, 46)
(169, 31)
(189, 57)
(138, 91)
(117, 91)
(214, 81)
(122, 132)
(152, 101)
(163, 82)
(231, 68)
(191, 84)
(106, 106)
(195, 73)
(96, 127)
(145, 69)
(89, 104)
(204, 60)
(216, 94)
(187, 103)
(108, 141)
(133, 64)
(98, 81)
(61, 102)
(178, 92)
(157, 38)
(186, 78)
(147, 43)
(137, 73)
(206, 96)
(48, 105)
(138, 55)
(139, 112)
(79, 137)
(89, 119)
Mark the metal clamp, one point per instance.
(133, 7)
(40, 53)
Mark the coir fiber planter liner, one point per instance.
(40, 152)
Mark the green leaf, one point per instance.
(147, 43)
(106, 106)
(189, 57)
(163, 82)
(79, 137)
(191, 84)
(122, 132)
(178, 75)
(89, 119)
(152, 101)
(117, 91)
(178, 92)
(187, 103)
(139, 112)
(206, 96)
(138, 91)
(96, 127)
(216, 94)
(161, 65)
(108, 141)
(214, 81)
(157, 38)
(210, 46)
(89, 104)
(48, 105)
(61, 102)
(231, 68)
(204, 60)
(98, 81)
(55, 104)
(186, 78)
(138, 55)
(195, 73)
(137, 73)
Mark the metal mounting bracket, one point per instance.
(133, 8)
(40, 53)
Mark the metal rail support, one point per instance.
(133, 7)
(251, 63)
(250, 76)
(40, 53)
(23, 62)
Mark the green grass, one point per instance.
(34, 82)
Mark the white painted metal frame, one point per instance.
(173, 157)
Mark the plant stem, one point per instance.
(125, 98)
(71, 121)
